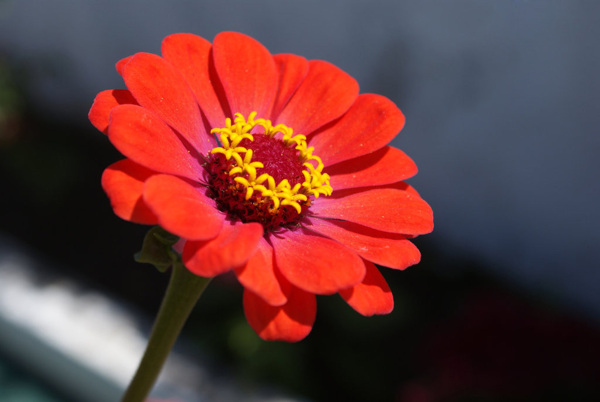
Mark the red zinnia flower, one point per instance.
(213, 155)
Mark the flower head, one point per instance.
(270, 166)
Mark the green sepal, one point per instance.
(157, 249)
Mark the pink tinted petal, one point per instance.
(371, 123)
(324, 95)
(290, 322)
(231, 249)
(384, 166)
(103, 104)
(316, 264)
(258, 275)
(372, 295)
(292, 70)
(190, 55)
(158, 86)
(182, 209)
(247, 72)
(390, 250)
(121, 63)
(123, 182)
(144, 138)
(389, 210)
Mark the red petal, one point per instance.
(182, 209)
(389, 210)
(401, 185)
(121, 63)
(144, 138)
(123, 182)
(316, 264)
(103, 104)
(371, 123)
(231, 249)
(372, 295)
(258, 275)
(247, 72)
(291, 322)
(292, 70)
(390, 250)
(190, 55)
(324, 95)
(158, 86)
(409, 188)
(385, 166)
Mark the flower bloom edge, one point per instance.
(275, 168)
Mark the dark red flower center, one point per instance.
(263, 173)
(279, 161)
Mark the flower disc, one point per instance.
(272, 183)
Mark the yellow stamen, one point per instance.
(246, 171)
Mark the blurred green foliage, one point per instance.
(17, 385)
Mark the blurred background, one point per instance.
(503, 111)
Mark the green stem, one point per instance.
(183, 292)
